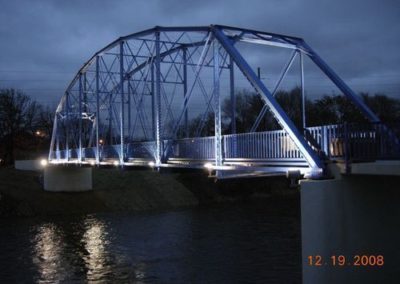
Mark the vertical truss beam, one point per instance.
(196, 79)
(53, 138)
(97, 93)
(85, 101)
(57, 138)
(184, 55)
(129, 111)
(67, 123)
(80, 119)
(153, 101)
(209, 101)
(157, 103)
(311, 157)
(303, 93)
(217, 106)
(110, 119)
(122, 111)
(232, 94)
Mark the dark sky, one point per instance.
(43, 43)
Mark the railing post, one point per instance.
(326, 140)
(346, 148)
(217, 106)
(157, 102)
(97, 110)
(122, 111)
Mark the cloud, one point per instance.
(50, 40)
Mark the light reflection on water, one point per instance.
(221, 245)
(95, 242)
(80, 251)
(47, 255)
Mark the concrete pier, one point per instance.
(28, 165)
(67, 179)
(352, 216)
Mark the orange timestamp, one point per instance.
(341, 260)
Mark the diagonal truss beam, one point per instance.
(339, 83)
(282, 118)
(277, 85)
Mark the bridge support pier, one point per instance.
(67, 179)
(350, 216)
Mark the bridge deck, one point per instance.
(247, 154)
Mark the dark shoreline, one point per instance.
(21, 193)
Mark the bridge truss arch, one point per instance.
(133, 103)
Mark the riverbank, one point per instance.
(21, 192)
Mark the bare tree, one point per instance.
(18, 116)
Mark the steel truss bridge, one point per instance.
(133, 103)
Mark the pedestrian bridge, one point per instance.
(152, 98)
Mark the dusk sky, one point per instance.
(43, 43)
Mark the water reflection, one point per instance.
(95, 243)
(76, 251)
(221, 245)
(48, 256)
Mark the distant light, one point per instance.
(152, 164)
(92, 163)
(208, 166)
(43, 162)
(101, 141)
(116, 163)
(38, 133)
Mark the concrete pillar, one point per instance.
(67, 179)
(349, 216)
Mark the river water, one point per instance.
(237, 243)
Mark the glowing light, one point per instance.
(43, 162)
(152, 164)
(116, 163)
(38, 133)
(101, 141)
(208, 166)
(92, 163)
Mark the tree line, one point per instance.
(329, 109)
(25, 126)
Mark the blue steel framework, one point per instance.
(130, 103)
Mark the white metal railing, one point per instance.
(344, 141)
